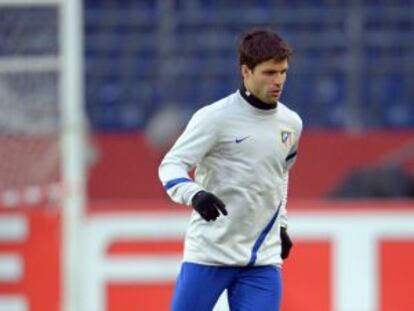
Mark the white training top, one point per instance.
(242, 154)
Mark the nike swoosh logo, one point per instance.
(239, 140)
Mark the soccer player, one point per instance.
(242, 148)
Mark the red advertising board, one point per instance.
(135, 257)
(30, 260)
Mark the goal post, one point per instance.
(72, 149)
(42, 121)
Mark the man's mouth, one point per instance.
(275, 93)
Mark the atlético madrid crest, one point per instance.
(286, 137)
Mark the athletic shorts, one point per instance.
(250, 288)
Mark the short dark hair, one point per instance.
(261, 44)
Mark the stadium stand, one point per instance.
(351, 69)
(351, 75)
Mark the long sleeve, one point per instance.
(190, 148)
(283, 211)
(290, 160)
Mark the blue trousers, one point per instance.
(249, 288)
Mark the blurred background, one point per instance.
(145, 67)
(150, 64)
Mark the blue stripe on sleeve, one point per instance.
(262, 237)
(291, 156)
(174, 182)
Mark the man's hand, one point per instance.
(208, 205)
(286, 243)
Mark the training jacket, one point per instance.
(241, 152)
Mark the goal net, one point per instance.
(41, 120)
(29, 103)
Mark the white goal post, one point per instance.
(73, 148)
(42, 123)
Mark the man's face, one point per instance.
(266, 80)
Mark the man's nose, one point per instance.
(278, 80)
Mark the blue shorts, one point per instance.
(249, 288)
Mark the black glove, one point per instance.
(286, 243)
(208, 205)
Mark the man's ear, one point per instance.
(245, 71)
